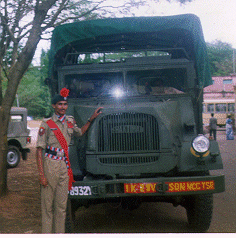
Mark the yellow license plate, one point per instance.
(190, 186)
(140, 187)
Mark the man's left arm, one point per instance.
(96, 113)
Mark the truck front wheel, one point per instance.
(13, 156)
(199, 211)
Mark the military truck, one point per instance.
(17, 137)
(147, 74)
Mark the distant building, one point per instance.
(219, 98)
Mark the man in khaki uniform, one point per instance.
(52, 167)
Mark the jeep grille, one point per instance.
(128, 132)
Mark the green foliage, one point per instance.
(44, 64)
(220, 58)
(115, 57)
(36, 99)
(33, 93)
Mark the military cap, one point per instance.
(63, 96)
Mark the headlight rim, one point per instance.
(199, 152)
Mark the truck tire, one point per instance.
(70, 217)
(199, 210)
(13, 156)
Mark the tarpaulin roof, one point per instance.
(133, 33)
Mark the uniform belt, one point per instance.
(55, 153)
(56, 157)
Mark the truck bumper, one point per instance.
(161, 186)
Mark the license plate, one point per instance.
(140, 187)
(191, 186)
(80, 191)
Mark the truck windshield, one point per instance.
(127, 83)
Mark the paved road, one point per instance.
(224, 218)
(162, 217)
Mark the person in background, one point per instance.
(229, 128)
(213, 126)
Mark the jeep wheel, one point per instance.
(70, 217)
(199, 211)
(13, 156)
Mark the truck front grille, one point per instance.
(128, 160)
(128, 132)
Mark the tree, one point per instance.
(32, 91)
(23, 24)
(33, 94)
(220, 58)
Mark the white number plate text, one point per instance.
(80, 191)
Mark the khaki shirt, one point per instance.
(46, 136)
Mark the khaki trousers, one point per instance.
(54, 196)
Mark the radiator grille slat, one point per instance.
(128, 160)
(128, 132)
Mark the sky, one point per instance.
(218, 18)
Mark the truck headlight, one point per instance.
(201, 144)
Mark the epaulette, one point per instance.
(70, 118)
(46, 119)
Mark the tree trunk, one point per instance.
(15, 73)
(3, 154)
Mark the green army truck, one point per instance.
(148, 74)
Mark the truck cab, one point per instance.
(148, 75)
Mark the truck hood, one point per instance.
(172, 115)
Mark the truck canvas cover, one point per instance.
(164, 33)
